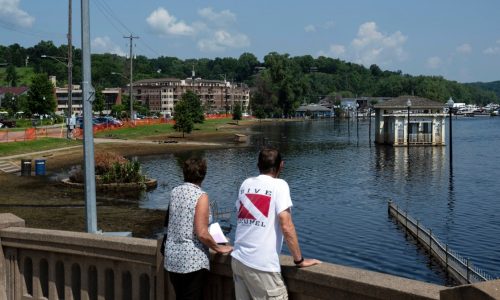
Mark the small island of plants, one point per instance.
(113, 172)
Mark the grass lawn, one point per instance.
(7, 149)
(146, 131)
(24, 76)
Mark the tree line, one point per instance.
(279, 83)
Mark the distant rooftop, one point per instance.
(16, 91)
(416, 102)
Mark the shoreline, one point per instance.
(43, 202)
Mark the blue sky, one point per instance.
(459, 40)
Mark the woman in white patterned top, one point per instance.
(188, 239)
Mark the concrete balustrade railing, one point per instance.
(52, 264)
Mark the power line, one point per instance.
(35, 33)
(108, 17)
(111, 16)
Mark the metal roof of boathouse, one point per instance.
(416, 102)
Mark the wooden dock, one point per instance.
(458, 267)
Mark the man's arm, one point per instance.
(288, 229)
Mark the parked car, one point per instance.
(79, 122)
(108, 120)
(4, 123)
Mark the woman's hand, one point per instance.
(224, 249)
(201, 226)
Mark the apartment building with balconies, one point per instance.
(217, 96)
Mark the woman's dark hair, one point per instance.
(194, 170)
(269, 160)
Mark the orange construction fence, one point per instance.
(7, 135)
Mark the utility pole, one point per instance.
(131, 38)
(70, 73)
(88, 134)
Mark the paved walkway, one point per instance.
(12, 163)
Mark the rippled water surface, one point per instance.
(340, 185)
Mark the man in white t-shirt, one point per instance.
(264, 219)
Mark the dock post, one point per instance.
(430, 241)
(446, 259)
(468, 268)
(406, 220)
(418, 227)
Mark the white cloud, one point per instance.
(337, 50)
(10, 12)
(220, 18)
(217, 28)
(222, 40)
(493, 50)
(310, 28)
(434, 62)
(464, 49)
(164, 23)
(329, 25)
(105, 45)
(374, 47)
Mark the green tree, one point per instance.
(183, 117)
(194, 105)
(237, 114)
(246, 66)
(98, 104)
(11, 75)
(41, 96)
(119, 111)
(9, 103)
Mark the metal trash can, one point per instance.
(25, 167)
(39, 167)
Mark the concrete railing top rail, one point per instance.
(324, 281)
(80, 243)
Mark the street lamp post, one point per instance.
(69, 65)
(450, 104)
(408, 104)
(370, 125)
(357, 121)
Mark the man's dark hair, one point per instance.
(269, 160)
(194, 170)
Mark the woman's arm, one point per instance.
(201, 226)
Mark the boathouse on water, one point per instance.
(313, 111)
(410, 119)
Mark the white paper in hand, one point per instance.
(216, 233)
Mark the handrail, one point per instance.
(464, 272)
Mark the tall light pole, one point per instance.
(88, 94)
(71, 122)
(450, 104)
(357, 122)
(408, 104)
(370, 125)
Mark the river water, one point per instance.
(341, 183)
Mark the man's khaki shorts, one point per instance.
(250, 283)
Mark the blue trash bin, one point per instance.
(39, 167)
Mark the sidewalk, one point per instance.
(9, 164)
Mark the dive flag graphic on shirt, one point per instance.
(261, 202)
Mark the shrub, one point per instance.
(104, 161)
(111, 167)
(127, 172)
